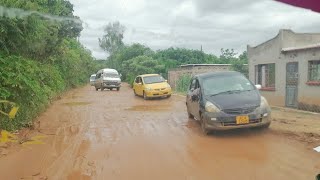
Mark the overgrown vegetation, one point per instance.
(183, 83)
(40, 56)
(135, 59)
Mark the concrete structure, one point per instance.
(288, 67)
(192, 69)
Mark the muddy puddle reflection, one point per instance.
(76, 103)
(148, 108)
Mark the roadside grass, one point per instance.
(180, 93)
(290, 110)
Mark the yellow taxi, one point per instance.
(151, 85)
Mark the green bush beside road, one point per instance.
(183, 83)
(40, 57)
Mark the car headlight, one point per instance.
(168, 86)
(211, 107)
(264, 103)
(148, 88)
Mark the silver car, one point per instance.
(107, 79)
(92, 79)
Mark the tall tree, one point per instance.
(111, 41)
(239, 64)
(227, 55)
(243, 57)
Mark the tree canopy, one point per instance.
(136, 58)
(112, 39)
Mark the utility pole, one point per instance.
(201, 48)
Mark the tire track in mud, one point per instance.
(72, 153)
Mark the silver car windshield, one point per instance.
(111, 75)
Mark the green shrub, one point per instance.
(30, 84)
(130, 79)
(39, 58)
(183, 83)
(240, 67)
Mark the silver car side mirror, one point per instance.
(258, 86)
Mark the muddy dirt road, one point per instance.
(115, 135)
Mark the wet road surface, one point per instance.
(115, 135)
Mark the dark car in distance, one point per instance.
(226, 100)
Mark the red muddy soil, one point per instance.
(115, 135)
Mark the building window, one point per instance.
(314, 70)
(265, 76)
(314, 73)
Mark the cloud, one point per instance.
(225, 7)
(192, 23)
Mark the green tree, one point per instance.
(111, 41)
(116, 59)
(243, 57)
(227, 56)
(240, 64)
(30, 31)
(140, 65)
(182, 56)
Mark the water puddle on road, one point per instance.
(76, 103)
(148, 108)
(76, 97)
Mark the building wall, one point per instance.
(292, 39)
(270, 52)
(175, 74)
(306, 94)
(266, 53)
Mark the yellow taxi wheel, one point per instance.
(169, 96)
(145, 96)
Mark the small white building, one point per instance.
(288, 68)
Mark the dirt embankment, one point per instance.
(300, 125)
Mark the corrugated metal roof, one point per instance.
(311, 46)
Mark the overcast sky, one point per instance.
(214, 24)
